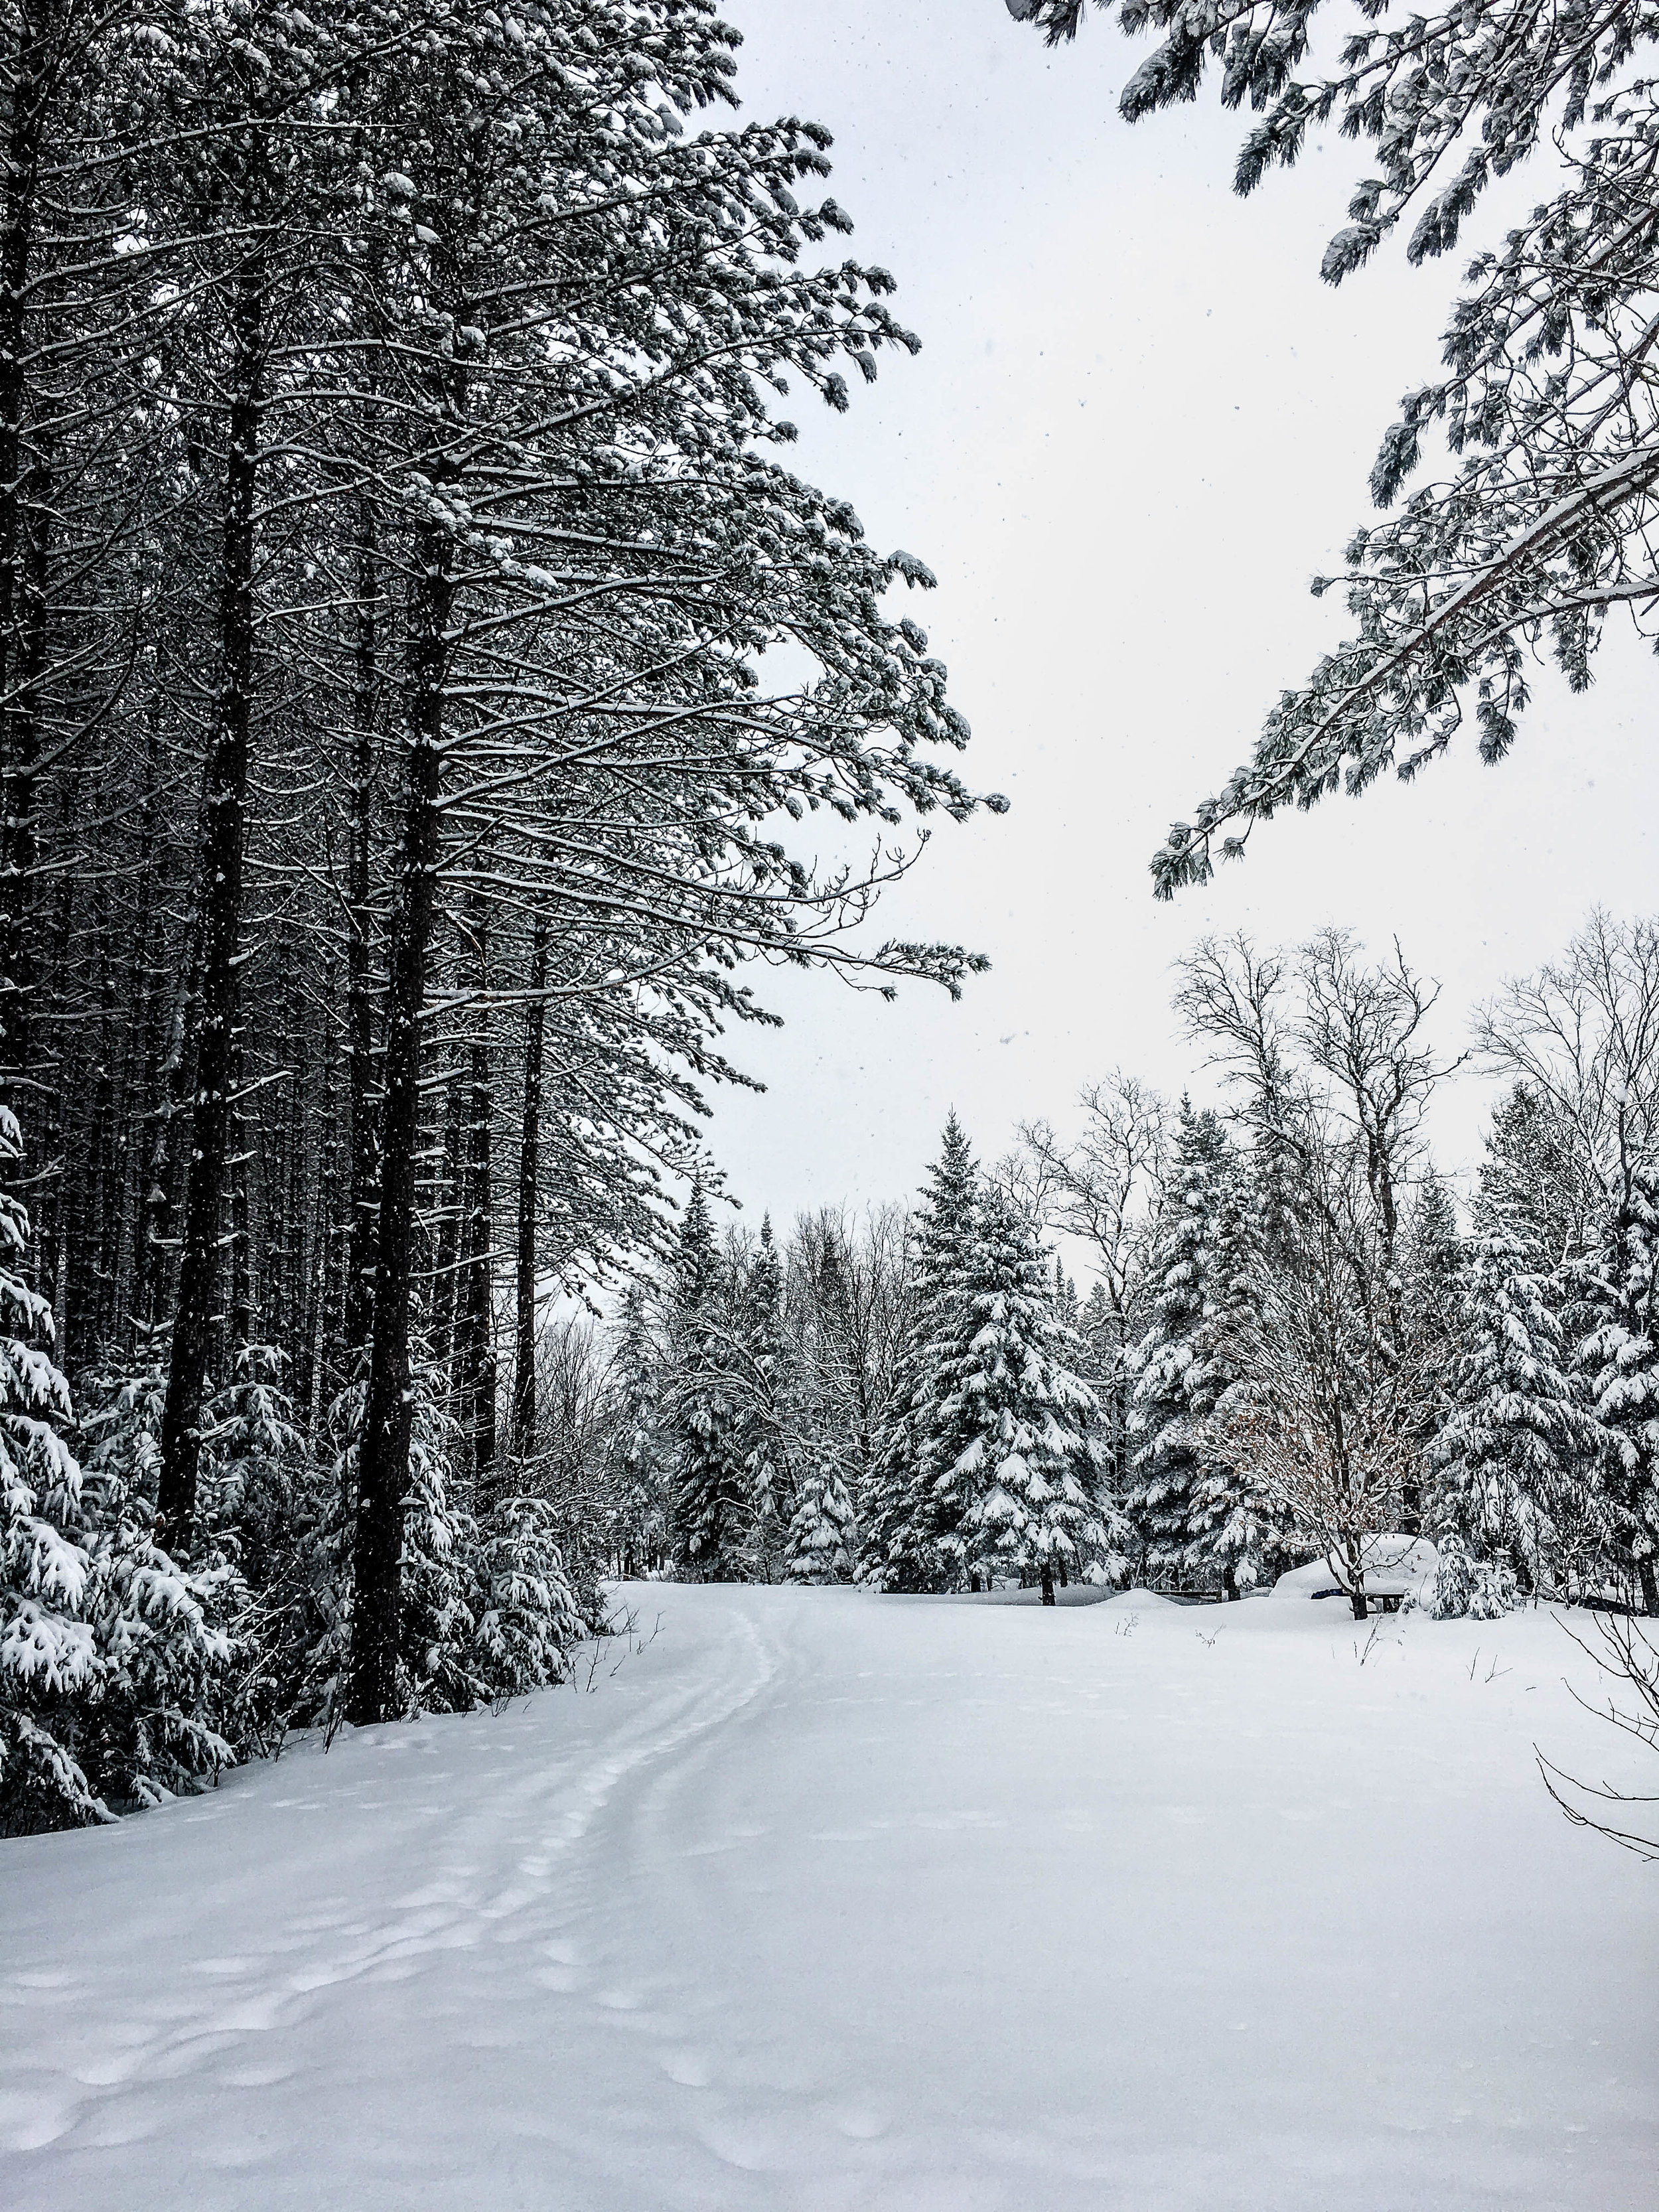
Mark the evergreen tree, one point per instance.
(1465, 1587)
(438, 1669)
(170, 1713)
(1019, 1496)
(822, 1534)
(528, 1619)
(902, 1548)
(761, 1369)
(1178, 1385)
(1016, 1495)
(49, 1669)
(1620, 1356)
(1543, 524)
(1518, 1458)
(1233, 1529)
(1533, 1178)
(638, 1475)
(713, 1498)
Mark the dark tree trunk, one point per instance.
(1649, 1585)
(384, 1462)
(523, 1348)
(1047, 1583)
(477, 1321)
(445, 1205)
(20, 538)
(220, 920)
(360, 1016)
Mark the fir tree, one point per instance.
(1176, 1386)
(1621, 1357)
(761, 1373)
(712, 1482)
(529, 1622)
(437, 1670)
(635, 1451)
(1016, 1497)
(1518, 1457)
(822, 1535)
(1233, 1529)
(902, 1548)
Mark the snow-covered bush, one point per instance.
(1462, 1587)
(529, 1620)
(169, 1713)
(49, 1668)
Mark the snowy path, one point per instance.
(829, 1902)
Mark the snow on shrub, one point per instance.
(1463, 1587)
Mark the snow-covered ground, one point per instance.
(825, 1901)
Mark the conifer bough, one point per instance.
(1546, 399)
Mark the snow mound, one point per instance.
(1139, 1599)
(1393, 1564)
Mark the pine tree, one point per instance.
(1543, 524)
(1621, 1357)
(1518, 1458)
(902, 1548)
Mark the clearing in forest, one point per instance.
(828, 1901)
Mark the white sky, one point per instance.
(1139, 425)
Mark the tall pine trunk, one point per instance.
(219, 921)
(359, 1013)
(21, 535)
(530, 1149)
(476, 1330)
(383, 1465)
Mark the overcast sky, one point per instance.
(1139, 425)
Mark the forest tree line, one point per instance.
(1298, 1340)
(394, 789)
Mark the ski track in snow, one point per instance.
(826, 1902)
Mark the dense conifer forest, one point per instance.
(395, 519)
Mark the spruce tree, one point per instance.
(1175, 1387)
(1518, 1458)
(712, 1489)
(636, 1457)
(174, 1637)
(822, 1533)
(1233, 1529)
(1016, 1494)
(528, 1620)
(902, 1548)
(1621, 1357)
(761, 1372)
